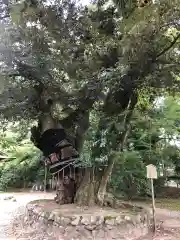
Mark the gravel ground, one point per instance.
(14, 208)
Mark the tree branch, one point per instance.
(168, 47)
(86, 97)
(27, 71)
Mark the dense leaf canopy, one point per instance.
(78, 54)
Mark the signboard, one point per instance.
(151, 171)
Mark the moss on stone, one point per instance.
(109, 217)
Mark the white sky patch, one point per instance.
(84, 2)
(159, 102)
(53, 2)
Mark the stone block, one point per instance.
(99, 220)
(93, 219)
(110, 222)
(119, 220)
(85, 220)
(51, 217)
(127, 218)
(57, 219)
(76, 221)
(64, 221)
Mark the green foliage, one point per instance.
(21, 175)
(150, 142)
(129, 175)
(23, 165)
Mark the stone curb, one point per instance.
(89, 222)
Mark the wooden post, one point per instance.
(45, 177)
(153, 205)
(152, 174)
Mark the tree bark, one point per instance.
(85, 195)
(104, 181)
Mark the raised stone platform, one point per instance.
(77, 223)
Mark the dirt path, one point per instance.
(168, 226)
(168, 222)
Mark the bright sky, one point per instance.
(85, 2)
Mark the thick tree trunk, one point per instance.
(92, 188)
(85, 195)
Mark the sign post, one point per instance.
(45, 177)
(152, 174)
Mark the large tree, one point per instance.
(60, 61)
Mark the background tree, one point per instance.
(153, 139)
(23, 165)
